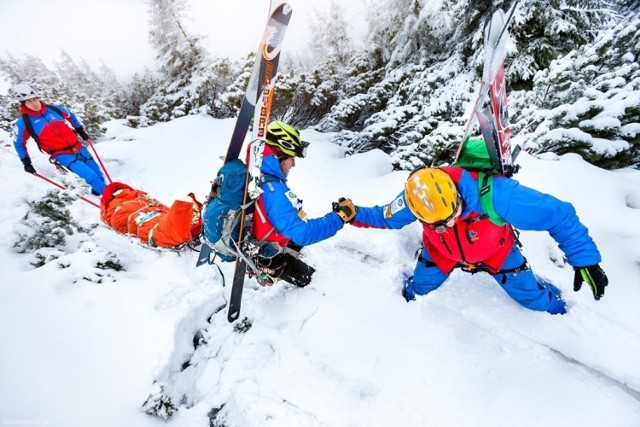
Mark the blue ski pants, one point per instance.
(83, 165)
(522, 286)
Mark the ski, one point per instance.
(500, 129)
(493, 119)
(204, 257)
(263, 70)
(259, 94)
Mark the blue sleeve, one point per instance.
(394, 215)
(20, 143)
(280, 209)
(528, 209)
(75, 122)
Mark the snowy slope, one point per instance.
(346, 351)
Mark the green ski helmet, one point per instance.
(286, 140)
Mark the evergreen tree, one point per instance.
(587, 101)
(330, 35)
(416, 106)
(138, 92)
(113, 94)
(304, 99)
(32, 70)
(315, 93)
(385, 19)
(287, 85)
(356, 104)
(79, 78)
(222, 75)
(8, 113)
(182, 62)
(74, 85)
(229, 102)
(548, 29)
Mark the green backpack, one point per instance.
(475, 157)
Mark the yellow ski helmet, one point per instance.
(286, 139)
(431, 195)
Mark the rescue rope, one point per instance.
(93, 148)
(52, 182)
(62, 187)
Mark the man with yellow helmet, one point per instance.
(279, 221)
(458, 233)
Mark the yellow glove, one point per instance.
(345, 209)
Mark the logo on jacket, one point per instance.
(295, 201)
(394, 207)
(144, 217)
(473, 235)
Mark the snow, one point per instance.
(345, 351)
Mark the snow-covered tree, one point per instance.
(545, 30)
(94, 97)
(418, 106)
(139, 91)
(228, 103)
(385, 19)
(330, 35)
(588, 101)
(113, 93)
(303, 99)
(356, 104)
(79, 77)
(8, 113)
(314, 94)
(32, 70)
(221, 83)
(182, 62)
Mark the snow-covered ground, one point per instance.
(84, 346)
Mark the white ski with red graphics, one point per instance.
(256, 105)
(262, 75)
(494, 119)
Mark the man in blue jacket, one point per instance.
(47, 125)
(279, 220)
(458, 233)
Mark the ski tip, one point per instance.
(233, 316)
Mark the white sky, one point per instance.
(116, 31)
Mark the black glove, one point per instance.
(28, 167)
(83, 134)
(594, 276)
(345, 209)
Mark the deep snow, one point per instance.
(345, 351)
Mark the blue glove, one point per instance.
(407, 290)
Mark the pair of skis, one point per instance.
(493, 118)
(256, 108)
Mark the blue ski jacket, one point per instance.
(520, 206)
(278, 208)
(52, 131)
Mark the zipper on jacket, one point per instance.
(444, 242)
(455, 231)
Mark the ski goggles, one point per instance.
(302, 149)
(448, 222)
(293, 150)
